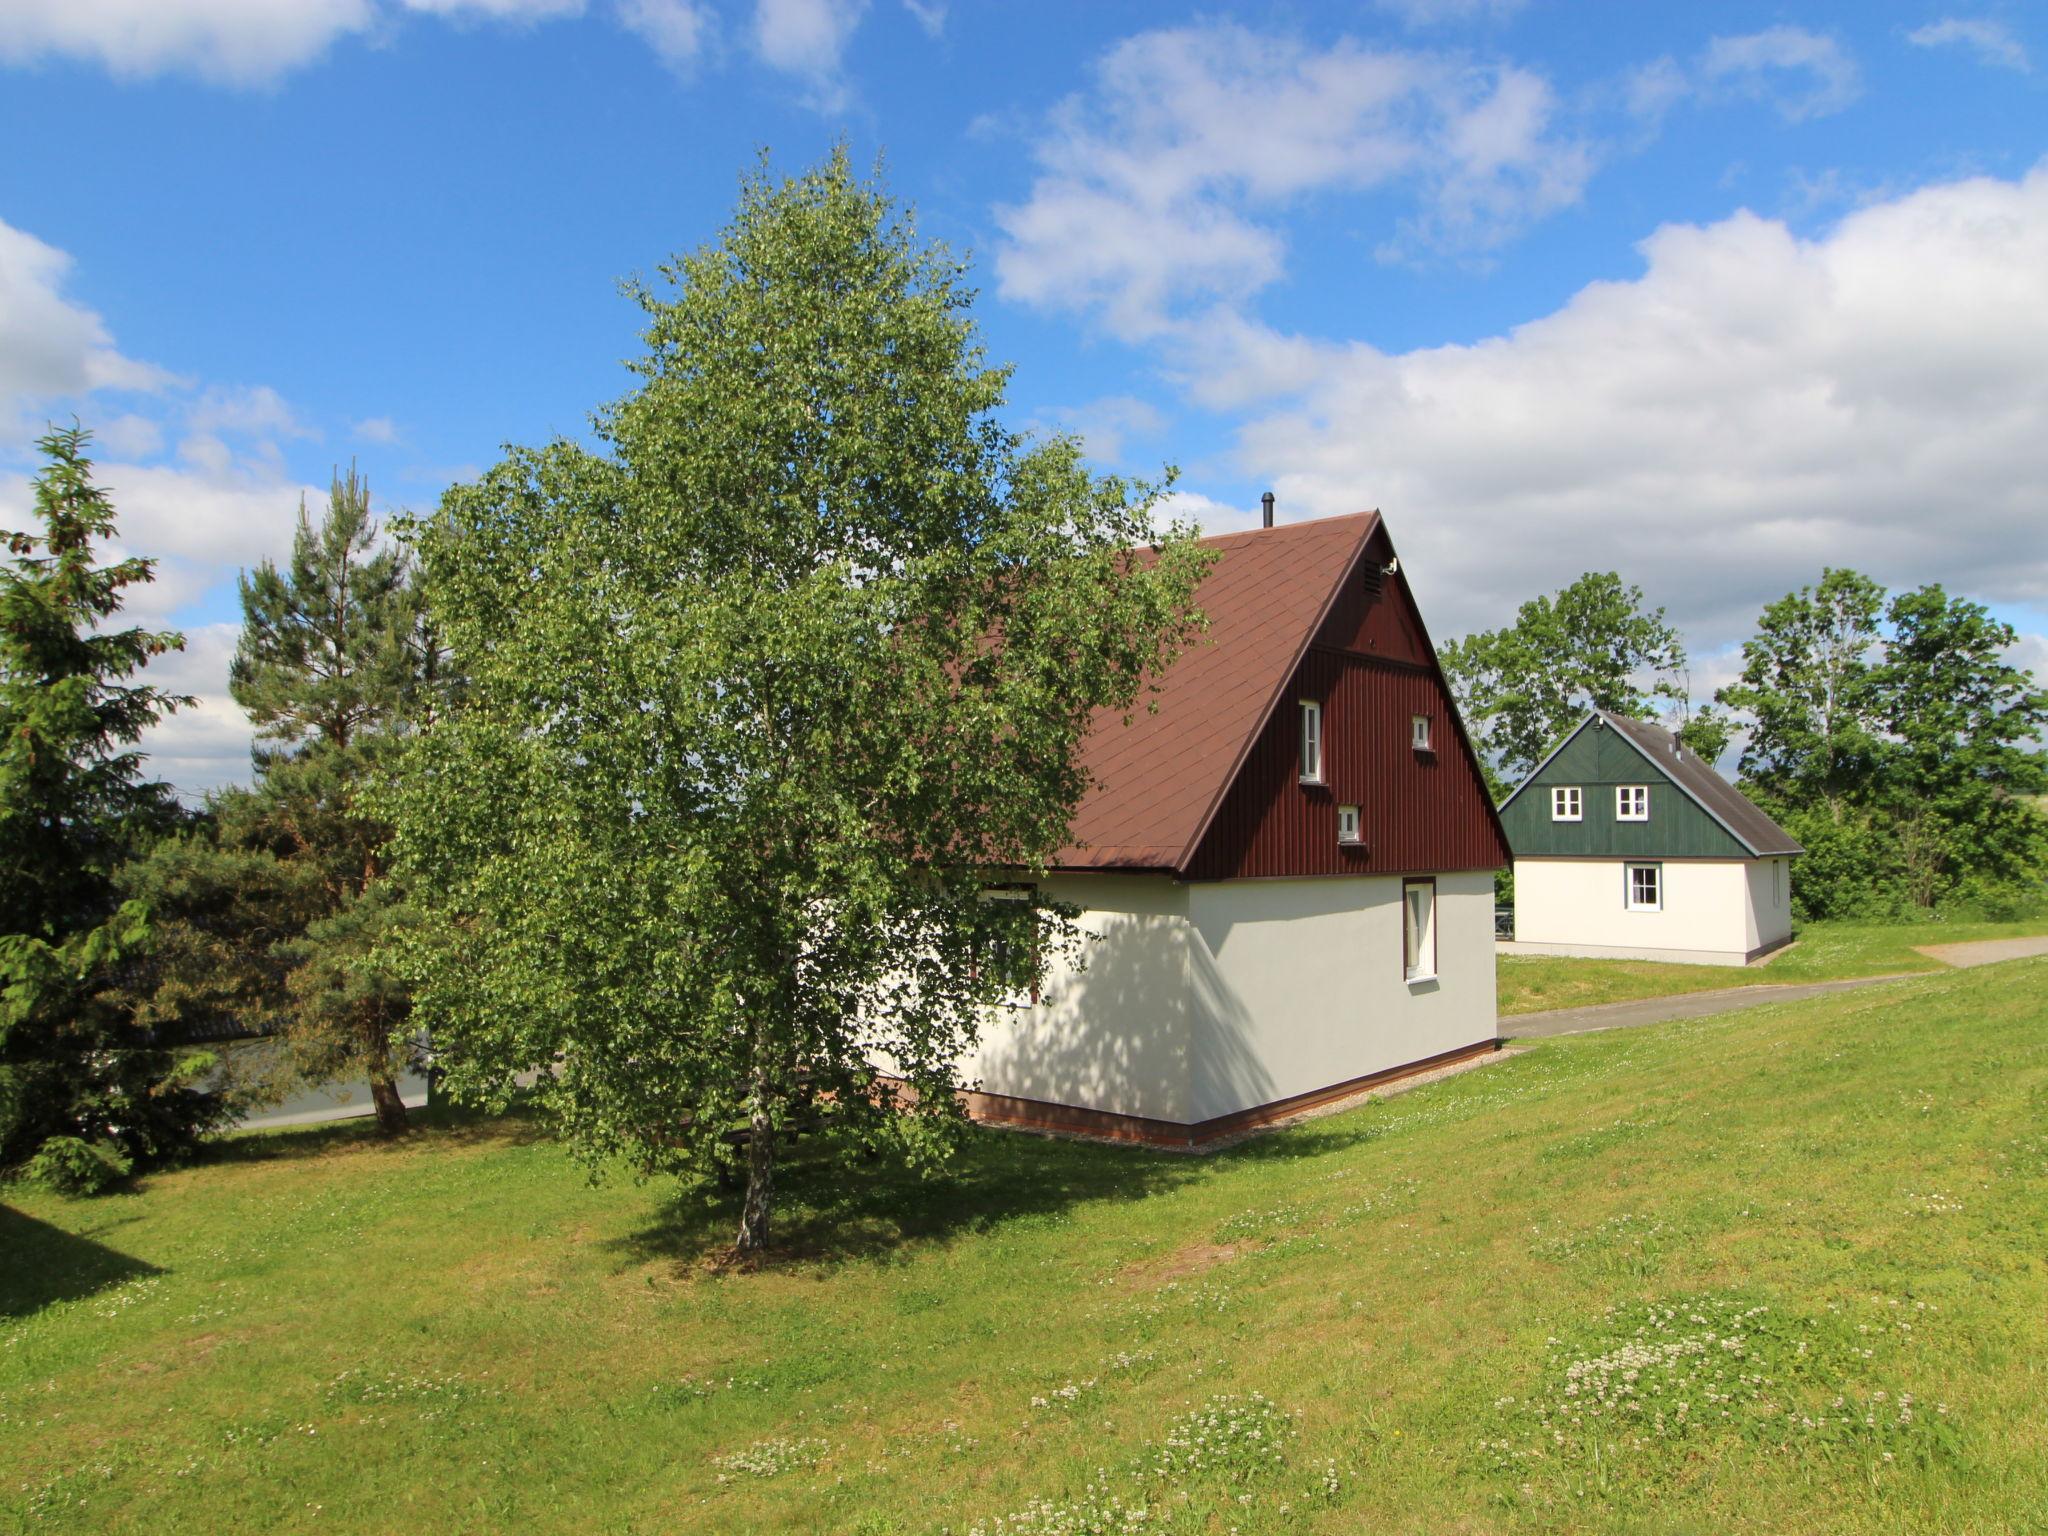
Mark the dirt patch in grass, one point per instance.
(1194, 1259)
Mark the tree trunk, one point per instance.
(390, 1107)
(754, 1213)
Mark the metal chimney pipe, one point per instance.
(1266, 501)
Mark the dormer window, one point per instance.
(1632, 802)
(1566, 803)
(1347, 823)
(1311, 742)
(1418, 728)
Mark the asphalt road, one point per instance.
(1659, 1010)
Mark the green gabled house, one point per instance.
(1629, 845)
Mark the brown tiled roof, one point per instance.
(1716, 796)
(1156, 778)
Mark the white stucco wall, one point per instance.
(1115, 1035)
(1202, 1000)
(1714, 911)
(1301, 984)
(1770, 903)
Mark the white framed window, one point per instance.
(1311, 742)
(1644, 887)
(1418, 728)
(1777, 882)
(1632, 802)
(1566, 803)
(1418, 930)
(1347, 823)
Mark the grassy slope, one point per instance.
(527, 1353)
(1825, 952)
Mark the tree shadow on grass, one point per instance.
(41, 1264)
(832, 1209)
(438, 1125)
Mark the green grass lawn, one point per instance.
(1823, 952)
(1807, 1238)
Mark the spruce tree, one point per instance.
(74, 803)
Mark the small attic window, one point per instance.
(1311, 742)
(1632, 802)
(1347, 823)
(1418, 730)
(1566, 804)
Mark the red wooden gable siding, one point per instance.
(1372, 669)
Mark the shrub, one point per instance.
(76, 1167)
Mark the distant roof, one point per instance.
(1693, 774)
(1157, 780)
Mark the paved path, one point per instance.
(1659, 1010)
(1986, 951)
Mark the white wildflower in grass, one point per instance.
(1257, 1223)
(770, 1458)
(1241, 1435)
(1065, 1396)
(431, 1396)
(1224, 1446)
(1933, 1202)
(1651, 1375)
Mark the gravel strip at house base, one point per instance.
(1683, 1005)
(1985, 951)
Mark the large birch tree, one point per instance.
(762, 697)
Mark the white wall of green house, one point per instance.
(1614, 859)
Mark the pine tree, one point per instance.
(334, 657)
(74, 803)
(270, 913)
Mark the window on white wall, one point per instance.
(1347, 823)
(1418, 930)
(1565, 803)
(1311, 742)
(1632, 802)
(1777, 882)
(1645, 887)
(1418, 730)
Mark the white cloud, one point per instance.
(1989, 40)
(1803, 74)
(234, 42)
(677, 30)
(206, 745)
(51, 346)
(376, 429)
(929, 14)
(1751, 408)
(517, 11)
(808, 38)
(1434, 13)
(246, 410)
(1162, 186)
(1106, 426)
(215, 511)
(129, 436)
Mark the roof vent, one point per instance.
(1266, 501)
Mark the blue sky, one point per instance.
(1713, 296)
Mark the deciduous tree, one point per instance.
(760, 700)
(1595, 645)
